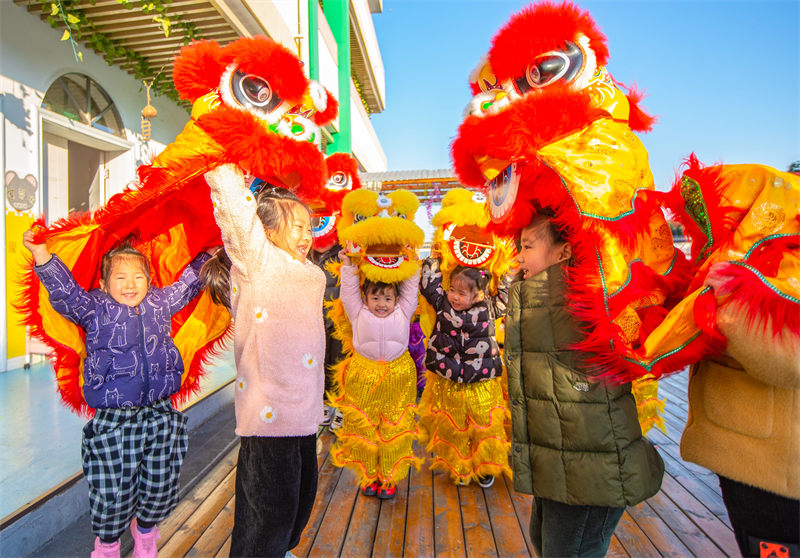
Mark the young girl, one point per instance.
(462, 410)
(134, 445)
(275, 297)
(377, 391)
(578, 447)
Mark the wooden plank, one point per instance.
(327, 480)
(447, 528)
(478, 536)
(195, 498)
(701, 486)
(674, 518)
(225, 551)
(507, 530)
(615, 549)
(333, 528)
(523, 504)
(667, 543)
(184, 538)
(390, 536)
(361, 531)
(633, 539)
(420, 538)
(212, 539)
(710, 524)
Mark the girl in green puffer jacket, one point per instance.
(576, 443)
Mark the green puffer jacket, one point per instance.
(575, 441)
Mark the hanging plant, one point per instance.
(79, 28)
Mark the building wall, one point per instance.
(31, 58)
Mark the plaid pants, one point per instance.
(132, 459)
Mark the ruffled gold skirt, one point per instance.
(463, 426)
(378, 404)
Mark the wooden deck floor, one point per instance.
(432, 517)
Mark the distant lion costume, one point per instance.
(253, 107)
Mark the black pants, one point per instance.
(276, 482)
(758, 516)
(566, 531)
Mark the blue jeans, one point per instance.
(561, 530)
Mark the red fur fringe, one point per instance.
(509, 135)
(759, 300)
(197, 69)
(267, 155)
(638, 120)
(321, 118)
(264, 57)
(540, 28)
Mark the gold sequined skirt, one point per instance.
(463, 426)
(378, 404)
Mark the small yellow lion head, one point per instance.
(462, 240)
(380, 235)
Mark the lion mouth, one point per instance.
(470, 245)
(385, 256)
(502, 192)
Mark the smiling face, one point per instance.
(299, 235)
(381, 302)
(538, 249)
(128, 282)
(463, 294)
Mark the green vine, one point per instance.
(78, 27)
(361, 93)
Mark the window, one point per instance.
(80, 98)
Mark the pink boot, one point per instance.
(144, 544)
(105, 550)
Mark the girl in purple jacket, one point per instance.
(134, 445)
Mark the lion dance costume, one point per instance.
(377, 399)
(465, 425)
(582, 162)
(253, 107)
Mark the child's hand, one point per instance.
(343, 257)
(40, 253)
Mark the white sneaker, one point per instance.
(336, 423)
(327, 414)
(486, 481)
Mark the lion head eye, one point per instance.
(358, 217)
(252, 91)
(339, 181)
(550, 67)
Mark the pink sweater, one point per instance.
(378, 338)
(276, 303)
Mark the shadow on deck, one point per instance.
(432, 517)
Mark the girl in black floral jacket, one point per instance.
(462, 410)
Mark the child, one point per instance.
(134, 445)
(578, 447)
(275, 297)
(462, 410)
(377, 391)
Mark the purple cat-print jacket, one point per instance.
(131, 360)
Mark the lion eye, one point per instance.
(550, 67)
(252, 91)
(357, 217)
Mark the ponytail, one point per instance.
(216, 278)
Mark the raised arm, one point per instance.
(350, 291)
(408, 295)
(188, 285)
(430, 284)
(235, 211)
(67, 297)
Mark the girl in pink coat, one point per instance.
(377, 389)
